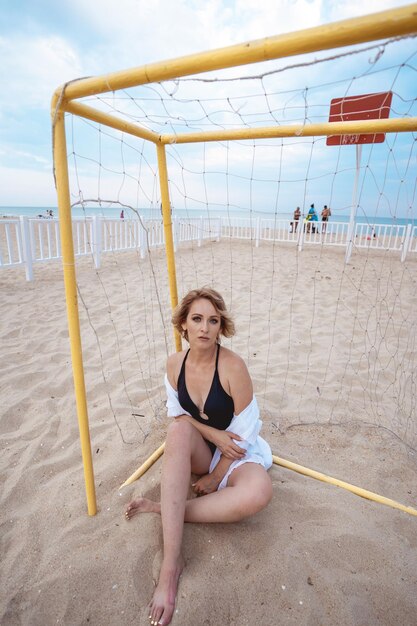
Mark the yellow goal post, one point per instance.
(393, 23)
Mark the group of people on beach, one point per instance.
(311, 219)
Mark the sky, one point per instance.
(46, 43)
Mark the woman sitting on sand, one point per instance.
(211, 397)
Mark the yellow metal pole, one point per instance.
(169, 240)
(368, 127)
(363, 493)
(172, 278)
(396, 125)
(377, 26)
(61, 173)
(109, 120)
(145, 466)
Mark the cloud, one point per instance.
(26, 158)
(335, 10)
(114, 36)
(140, 31)
(32, 68)
(135, 32)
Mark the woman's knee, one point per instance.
(255, 490)
(263, 493)
(259, 493)
(181, 430)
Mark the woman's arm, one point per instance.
(209, 483)
(222, 439)
(239, 382)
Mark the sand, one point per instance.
(331, 350)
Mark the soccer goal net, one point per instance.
(211, 156)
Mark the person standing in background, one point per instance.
(325, 214)
(311, 217)
(296, 219)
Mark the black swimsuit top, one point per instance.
(218, 407)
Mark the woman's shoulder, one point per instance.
(237, 379)
(173, 366)
(232, 361)
(176, 356)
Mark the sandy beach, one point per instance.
(332, 352)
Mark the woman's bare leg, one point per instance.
(184, 447)
(249, 490)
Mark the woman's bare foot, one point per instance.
(162, 605)
(141, 505)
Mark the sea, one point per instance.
(155, 213)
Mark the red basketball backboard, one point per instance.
(369, 106)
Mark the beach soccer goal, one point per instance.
(188, 171)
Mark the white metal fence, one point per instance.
(27, 241)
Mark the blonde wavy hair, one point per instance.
(179, 316)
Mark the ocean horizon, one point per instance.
(155, 213)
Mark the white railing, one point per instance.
(11, 247)
(196, 229)
(240, 228)
(401, 238)
(27, 241)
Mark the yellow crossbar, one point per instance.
(392, 23)
(403, 125)
(110, 120)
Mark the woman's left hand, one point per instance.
(206, 484)
(224, 441)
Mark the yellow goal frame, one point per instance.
(386, 24)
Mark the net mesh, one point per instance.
(325, 342)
